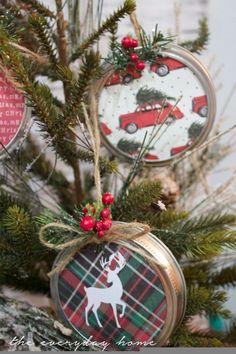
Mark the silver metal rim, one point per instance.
(171, 276)
(13, 144)
(186, 57)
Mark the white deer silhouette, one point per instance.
(111, 295)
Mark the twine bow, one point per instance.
(119, 233)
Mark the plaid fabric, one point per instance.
(145, 311)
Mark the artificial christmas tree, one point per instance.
(36, 43)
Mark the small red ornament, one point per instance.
(107, 199)
(105, 213)
(85, 211)
(98, 225)
(87, 223)
(133, 57)
(126, 42)
(134, 43)
(140, 65)
(101, 234)
(106, 224)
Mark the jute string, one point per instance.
(119, 233)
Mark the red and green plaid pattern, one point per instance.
(143, 294)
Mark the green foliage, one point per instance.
(39, 8)
(205, 236)
(184, 338)
(225, 277)
(22, 257)
(148, 51)
(108, 25)
(199, 44)
(204, 300)
(136, 203)
(42, 30)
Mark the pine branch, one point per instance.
(136, 204)
(127, 8)
(38, 7)
(19, 225)
(43, 168)
(204, 300)
(199, 44)
(40, 27)
(205, 236)
(226, 277)
(184, 338)
(76, 89)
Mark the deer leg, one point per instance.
(115, 314)
(123, 305)
(87, 309)
(95, 308)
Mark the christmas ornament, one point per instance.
(117, 295)
(169, 100)
(13, 114)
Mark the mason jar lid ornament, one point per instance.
(169, 98)
(13, 114)
(119, 297)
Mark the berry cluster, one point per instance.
(130, 43)
(97, 217)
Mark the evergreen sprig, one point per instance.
(42, 30)
(135, 204)
(205, 236)
(127, 8)
(225, 277)
(38, 7)
(199, 44)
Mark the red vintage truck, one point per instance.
(149, 114)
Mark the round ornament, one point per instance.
(13, 113)
(170, 100)
(120, 299)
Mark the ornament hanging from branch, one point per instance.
(165, 99)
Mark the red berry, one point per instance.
(134, 43)
(105, 213)
(106, 224)
(87, 223)
(94, 211)
(101, 234)
(140, 65)
(107, 199)
(126, 42)
(98, 225)
(133, 57)
(85, 211)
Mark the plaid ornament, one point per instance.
(113, 296)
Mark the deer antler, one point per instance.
(104, 263)
(121, 260)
